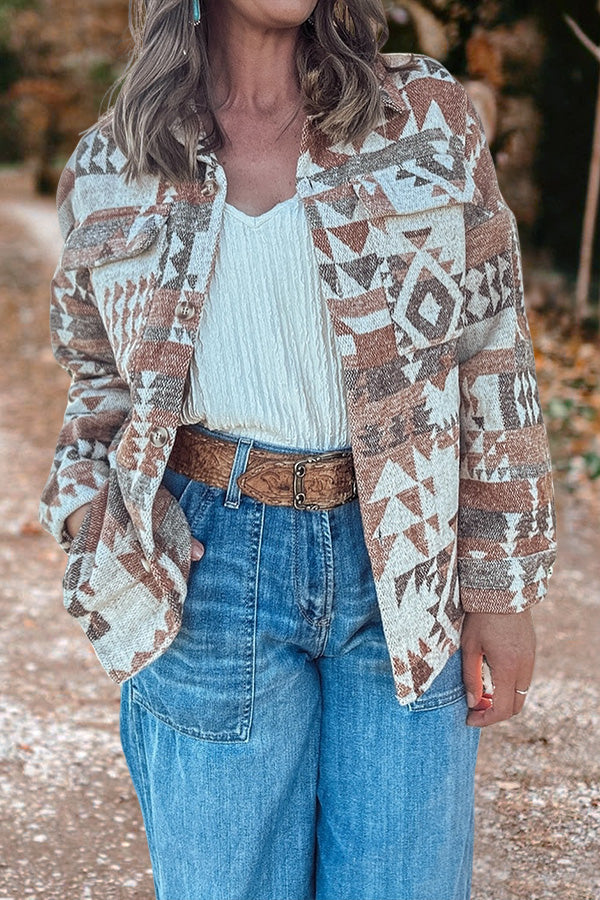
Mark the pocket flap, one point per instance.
(108, 235)
(415, 184)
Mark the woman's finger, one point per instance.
(504, 674)
(471, 673)
(523, 681)
(197, 550)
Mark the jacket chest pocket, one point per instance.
(420, 258)
(122, 250)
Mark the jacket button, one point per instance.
(185, 310)
(208, 189)
(145, 564)
(159, 436)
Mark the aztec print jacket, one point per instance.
(419, 260)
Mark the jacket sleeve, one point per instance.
(98, 399)
(506, 521)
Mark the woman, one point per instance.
(304, 402)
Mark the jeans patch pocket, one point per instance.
(448, 687)
(203, 685)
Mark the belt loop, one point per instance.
(240, 461)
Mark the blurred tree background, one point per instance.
(58, 59)
(533, 82)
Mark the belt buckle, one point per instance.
(300, 472)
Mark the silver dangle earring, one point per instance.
(197, 12)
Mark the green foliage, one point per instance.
(563, 410)
(102, 73)
(10, 72)
(7, 7)
(592, 464)
(10, 134)
(10, 69)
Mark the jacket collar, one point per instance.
(322, 165)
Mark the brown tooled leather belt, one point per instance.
(316, 481)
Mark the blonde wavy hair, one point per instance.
(167, 82)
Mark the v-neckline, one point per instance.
(256, 221)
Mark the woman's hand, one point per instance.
(73, 522)
(508, 643)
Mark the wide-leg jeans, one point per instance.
(270, 756)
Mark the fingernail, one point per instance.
(471, 699)
(197, 552)
(484, 703)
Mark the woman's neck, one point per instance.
(253, 67)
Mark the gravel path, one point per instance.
(70, 824)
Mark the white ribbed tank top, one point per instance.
(266, 364)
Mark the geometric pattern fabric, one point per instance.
(419, 262)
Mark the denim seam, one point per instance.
(294, 548)
(250, 654)
(325, 619)
(134, 713)
(252, 661)
(213, 736)
(468, 849)
(445, 699)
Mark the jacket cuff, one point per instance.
(511, 597)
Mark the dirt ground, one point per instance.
(70, 826)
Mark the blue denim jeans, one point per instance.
(270, 756)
